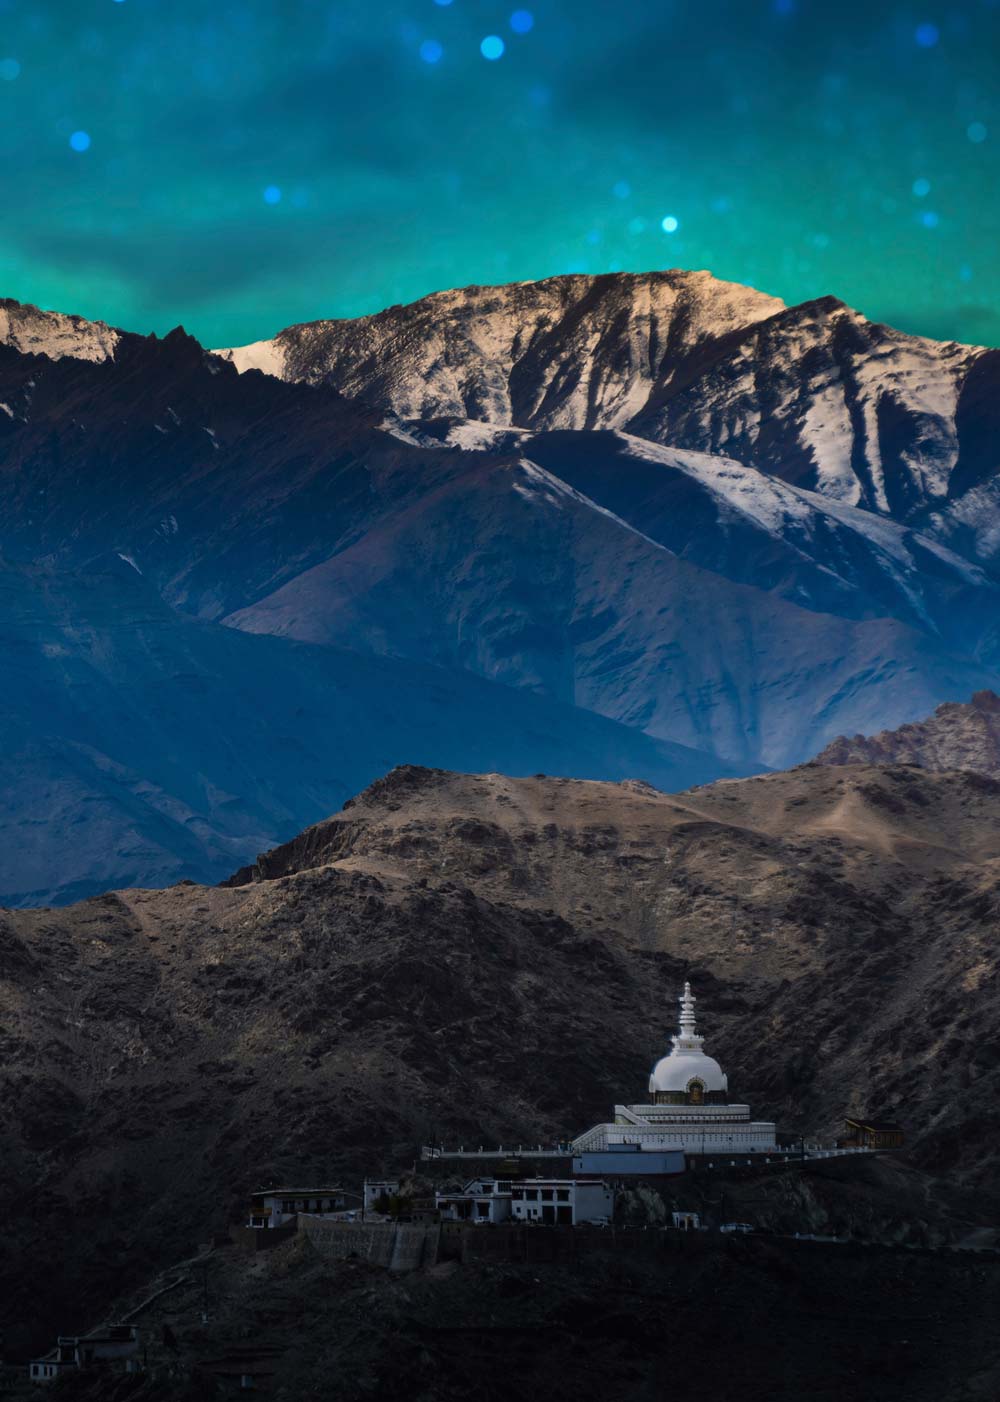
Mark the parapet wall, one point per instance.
(398, 1247)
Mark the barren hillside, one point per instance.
(488, 958)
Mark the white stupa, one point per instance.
(687, 1075)
(689, 1106)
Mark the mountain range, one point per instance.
(689, 531)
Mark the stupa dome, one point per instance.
(687, 1065)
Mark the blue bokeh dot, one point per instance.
(492, 47)
(442, 2)
(929, 219)
(927, 35)
(9, 69)
(272, 194)
(976, 132)
(522, 21)
(621, 190)
(80, 141)
(921, 188)
(670, 224)
(431, 51)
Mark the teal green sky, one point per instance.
(241, 165)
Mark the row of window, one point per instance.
(545, 1194)
(307, 1205)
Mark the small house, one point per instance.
(379, 1190)
(485, 1201)
(871, 1134)
(275, 1207)
(112, 1346)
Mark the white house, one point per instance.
(688, 1107)
(106, 1346)
(377, 1188)
(485, 1201)
(554, 1201)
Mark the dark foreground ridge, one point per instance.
(756, 1319)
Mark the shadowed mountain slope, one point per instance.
(143, 746)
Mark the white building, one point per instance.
(375, 1189)
(110, 1346)
(551, 1201)
(486, 1201)
(275, 1207)
(688, 1106)
(568, 1201)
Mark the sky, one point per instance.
(239, 165)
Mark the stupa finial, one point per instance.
(687, 1002)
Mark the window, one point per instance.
(562, 1194)
(531, 1194)
(546, 1195)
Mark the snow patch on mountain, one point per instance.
(266, 356)
(793, 515)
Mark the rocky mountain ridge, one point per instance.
(957, 736)
(815, 394)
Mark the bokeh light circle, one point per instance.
(80, 141)
(670, 224)
(522, 21)
(921, 187)
(492, 47)
(9, 69)
(272, 194)
(431, 51)
(976, 132)
(927, 34)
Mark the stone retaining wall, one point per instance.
(398, 1247)
(260, 1238)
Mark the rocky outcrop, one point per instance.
(957, 736)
